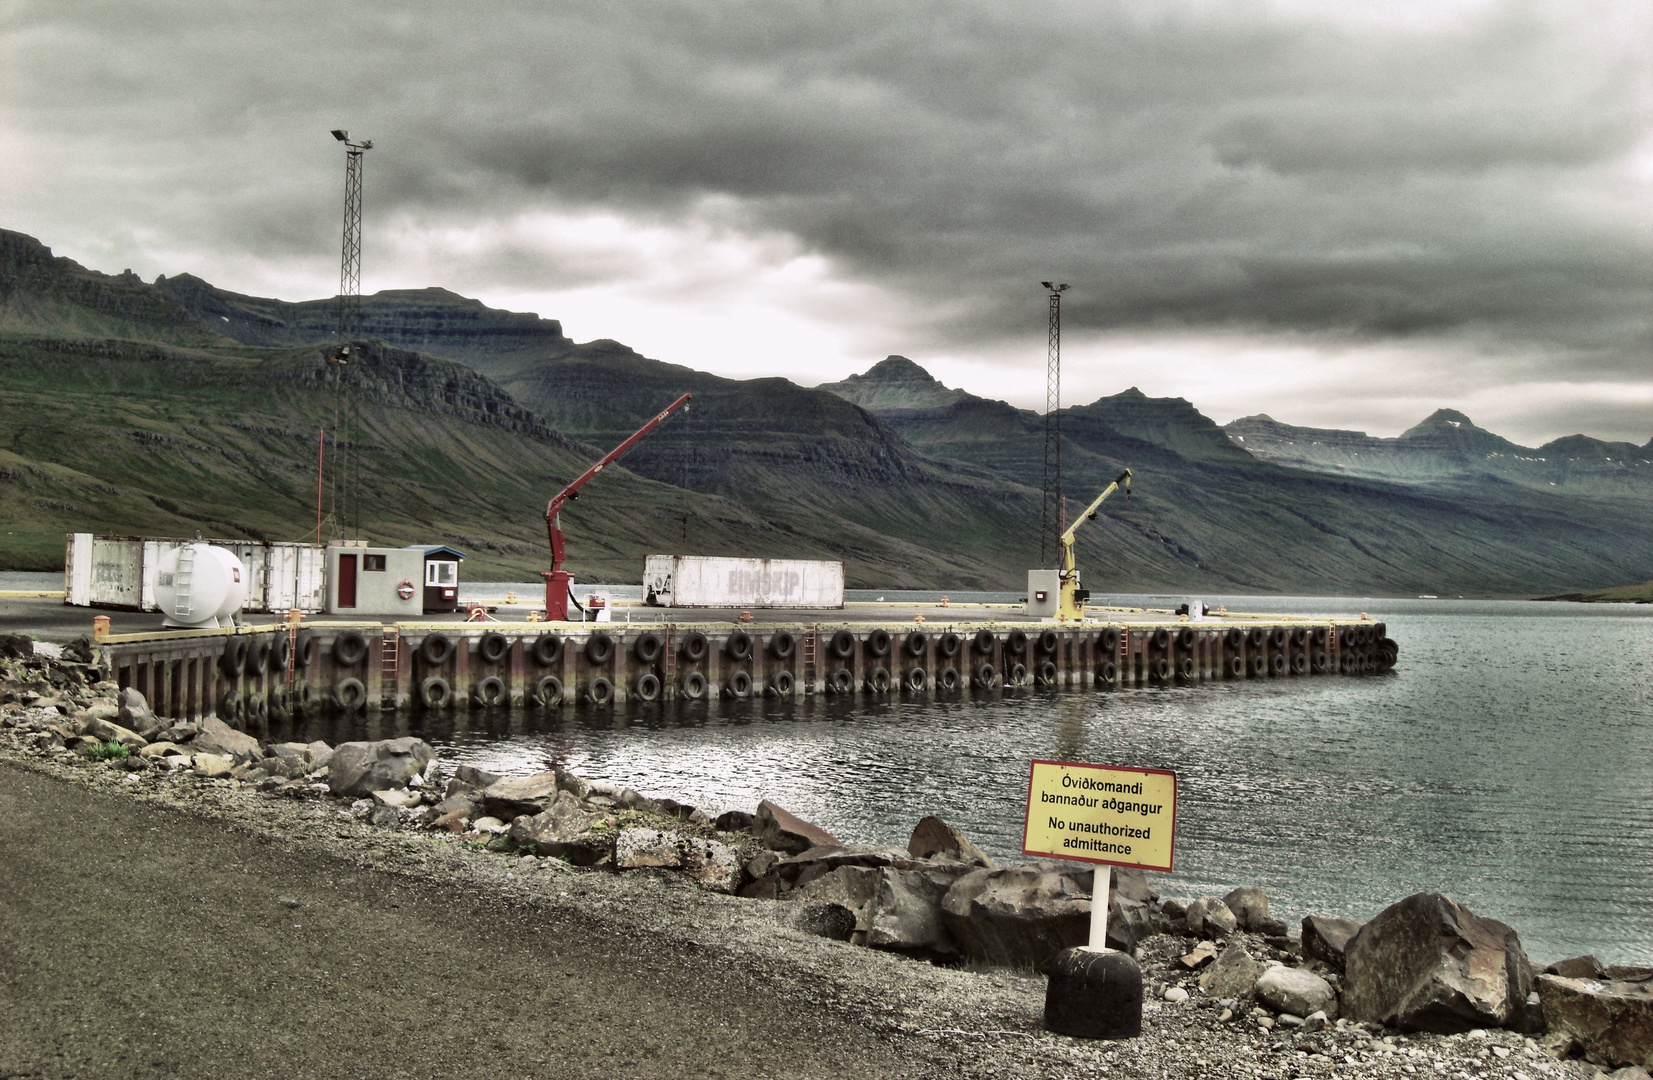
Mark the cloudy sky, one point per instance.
(1342, 213)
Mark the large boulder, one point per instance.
(715, 866)
(1327, 940)
(1249, 905)
(217, 737)
(1210, 917)
(359, 769)
(1233, 974)
(564, 830)
(107, 731)
(1427, 963)
(512, 796)
(1019, 916)
(782, 831)
(1295, 991)
(891, 909)
(135, 712)
(1610, 1021)
(1131, 883)
(933, 838)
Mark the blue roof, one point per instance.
(432, 550)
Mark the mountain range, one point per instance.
(130, 406)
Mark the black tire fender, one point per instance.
(258, 655)
(948, 645)
(983, 642)
(878, 680)
(304, 653)
(842, 645)
(547, 650)
(781, 684)
(985, 675)
(489, 691)
(782, 645)
(917, 643)
(841, 681)
(1016, 642)
(1047, 673)
(947, 679)
(692, 686)
(599, 650)
(548, 691)
(693, 649)
(878, 643)
(599, 691)
(738, 684)
(1107, 673)
(647, 687)
(1108, 640)
(492, 647)
(234, 657)
(918, 680)
(349, 694)
(434, 650)
(647, 650)
(738, 645)
(1049, 641)
(1015, 674)
(435, 693)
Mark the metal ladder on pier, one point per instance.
(807, 654)
(387, 653)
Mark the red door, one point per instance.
(347, 581)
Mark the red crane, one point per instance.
(558, 580)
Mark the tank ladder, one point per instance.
(183, 603)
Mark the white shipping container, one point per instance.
(119, 572)
(708, 581)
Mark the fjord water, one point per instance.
(1507, 762)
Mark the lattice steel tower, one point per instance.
(1050, 517)
(350, 264)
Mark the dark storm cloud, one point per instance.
(1183, 165)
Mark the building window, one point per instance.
(373, 562)
(441, 573)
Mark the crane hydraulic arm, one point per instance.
(558, 580)
(1072, 597)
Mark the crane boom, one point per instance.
(1072, 597)
(557, 579)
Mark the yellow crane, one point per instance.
(1071, 604)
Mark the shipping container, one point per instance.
(119, 572)
(707, 581)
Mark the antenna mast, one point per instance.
(346, 415)
(1051, 515)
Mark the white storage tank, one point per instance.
(199, 586)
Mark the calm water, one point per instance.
(1507, 762)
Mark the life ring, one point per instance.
(647, 686)
(647, 650)
(781, 684)
(1161, 669)
(547, 650)
(548, 691)
(435, 693)
(984, 641)
(434, 650)
(1016, 642)
(878, 643)
(599, 691)
(258, 655)
(489, 691)
(878, 681)
(304, 653)
(349, 694)
(1160, 639)
(1236, 667)
(985, 675)
(599, 650)
(1015, 674)
(1277, 664)
(404, 589)
(841, 681)
(1049, 640)
(947, 679)
(492, 647)
(1107, 673)
(1318, 662)
(1185, 638)
(917, 642)
(782, 644)
(1108, 640)
(234, 657)
(1047, 673)
(1299, 664)
(843, 645)
(738, 646)
(281, 651)
(918, 680)
(1234, 637)
(948, 645)
(693, 647)
(1185, 667)
(692, 685)
(1259, 666)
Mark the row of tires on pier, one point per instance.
(549, 669)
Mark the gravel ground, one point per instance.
(159, 924)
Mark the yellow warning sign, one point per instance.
(1101, 814)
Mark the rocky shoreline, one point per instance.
(1425, 988)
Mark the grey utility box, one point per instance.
(1043, 587)
(365, 580)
